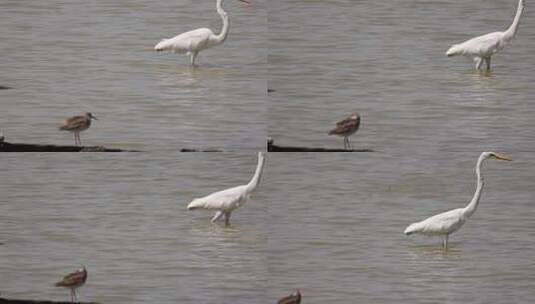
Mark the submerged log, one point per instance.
(13, 301)
(199, 150)
(16, 147)
(272, 147)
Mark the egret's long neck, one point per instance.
(472, 206)
(251, 186)
(222, 36)
(511, 31)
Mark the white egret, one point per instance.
(192, 42)
(230, 199)
(347, 127)
(73, 281)
(77, 124)
(483, 47)
(445, 223)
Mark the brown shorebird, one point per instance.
(77, 124)
(73, 281)
(294, 298)
(346, 128)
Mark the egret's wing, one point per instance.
(442, 222)
(485, 44)
(192, 40)
(224, 199)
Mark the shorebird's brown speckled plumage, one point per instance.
(346, 128)
(73, 281)
(77, 124)
(294, 298)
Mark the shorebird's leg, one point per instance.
(217, 216)
(72, 295)
(487, 61)
(349, 143)
(345, 142)
(74, 135)
(227, 218)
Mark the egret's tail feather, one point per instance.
(163, 45)
(412, 228)
(196, 204)
(454, 50)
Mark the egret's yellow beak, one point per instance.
(246, 1)
(501, 157)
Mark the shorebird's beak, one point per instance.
(502, 157)
(94, 117)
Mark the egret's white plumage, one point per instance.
(450, 221)
(192, 42)
(481, 48)
(230, 199)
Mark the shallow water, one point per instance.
(386, 60)
(329, 224)
(67, 57)
(336, 226)
(124, 217)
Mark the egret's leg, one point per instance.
(193, 57)
(487, 61)
(227, 218)
(217, 216)
(445, 242)
(479, 62)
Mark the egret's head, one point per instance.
(91, 116)
(494, 155)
